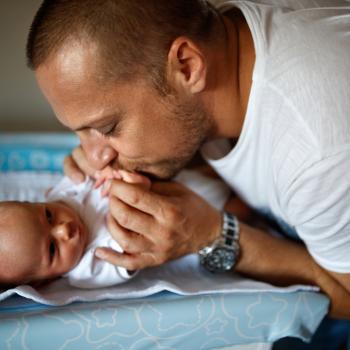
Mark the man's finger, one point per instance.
(137, 197)
(130, 218)
(129, 261)
(134, 178)
(167, 188)
(129, 241)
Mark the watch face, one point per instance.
(220, 259)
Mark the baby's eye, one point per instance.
(52, 249)
(49, 216)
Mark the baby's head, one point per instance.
(38, 241)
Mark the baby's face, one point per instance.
(40, 241)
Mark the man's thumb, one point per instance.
(136, 179)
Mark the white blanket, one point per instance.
(184, 276)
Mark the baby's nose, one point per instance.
(63, 231)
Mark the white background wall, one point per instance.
(22, 107)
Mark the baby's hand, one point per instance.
(108, 173)
(126, 176)
(104, 178)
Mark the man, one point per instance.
(145, 84)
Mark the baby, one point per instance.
(39, 241)
(42, 241)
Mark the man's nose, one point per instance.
(98, 153)
(63, 231)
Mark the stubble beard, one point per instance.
(193, 125)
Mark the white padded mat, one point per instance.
(183, 276)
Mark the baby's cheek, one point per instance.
(72, 258)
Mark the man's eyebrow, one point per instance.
(99, 122)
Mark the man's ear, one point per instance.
(187, 67)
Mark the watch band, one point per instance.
(223, 253)
(230, 229)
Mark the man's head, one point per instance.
(38, 241)
(134, 70)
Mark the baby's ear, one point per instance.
(136, 179)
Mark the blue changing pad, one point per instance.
(165, 320)
(162, 321)
(37, 152)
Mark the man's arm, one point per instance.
(343, 278)
(167, 221)
(283, 262)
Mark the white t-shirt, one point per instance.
(293, 155)
(92, 272)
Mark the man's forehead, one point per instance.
(75, 60)
(68, 76)
(77, 104)
(79, 98)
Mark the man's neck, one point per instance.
(232, 72)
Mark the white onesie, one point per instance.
(92, 272)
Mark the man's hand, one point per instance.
(157, 224)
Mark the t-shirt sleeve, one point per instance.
(317, 204)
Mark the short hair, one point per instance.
(131, 35)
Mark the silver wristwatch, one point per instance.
(223, 254)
